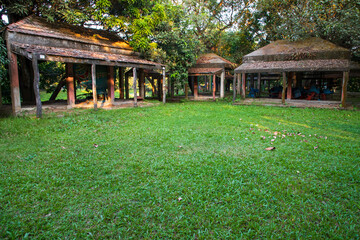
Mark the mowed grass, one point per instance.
(181, 171)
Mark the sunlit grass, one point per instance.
(187, 170)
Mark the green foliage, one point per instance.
(234, 45)
(200, 171)
(334, 20)
(51, 73)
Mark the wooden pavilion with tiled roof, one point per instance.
(213, 65)
(38, 40)
(289, 58)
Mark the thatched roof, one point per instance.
(210, 63)
(312, 54)
(68, 43)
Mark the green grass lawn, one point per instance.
(187, 170)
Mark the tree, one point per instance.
(333, 20)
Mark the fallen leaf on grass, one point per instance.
(95, 145)
(63, 147)
(306, 140)
(316, 147)
(269, 148)
(272, 140)
(262, 137)
(179, 199)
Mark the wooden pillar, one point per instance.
(159, 85)
(243, 85)
(259, 82)
(134, 87)
(222, 82)
(142, 83)
(344, 88)
(1, 102)
(121, 82)
(127, 86)
(186, 90)
(234, 87)
(164, 84)
(93, 79)
(14, 81)
(214, 86)
(289, 86)
(70, 84)
(238, 86)
(172, 92)
(111, 84)
(36, 86)
(196, 93)
(284, 87)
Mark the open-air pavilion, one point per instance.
(307, 69)
(102, 55)
(210, 65)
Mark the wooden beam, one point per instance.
(121, 82)
(222, 83)
(70, 84)
(134, 87)
(14, 81)
(259, 82)
(243, 85)
(93, 80)
(142, 92)
(344, 88)
(126, 86)
(214, 87)
(159, 85)
(111, 84)
(164, 85)
(284, 87)
(1, 102)
(289, 86)
(36, 86)
(234, 88)
(186, 91)
(238, 86)
(196, 88)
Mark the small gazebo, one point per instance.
(210, 64)
(289, 58)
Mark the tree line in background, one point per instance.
(175, 32)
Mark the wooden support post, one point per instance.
(284, 87)
(344, 88)
(111, 84)
(121, 82)
(234, 88)
(222, 82)
(289, 86)
(259, 82)
(164, 84)
(70, 84)
(196, 93)
(36, 86)
(142, 83)
(93, 80)
(127, 86)
(243, 85)
(238, 86)
(214, 87)
(134, 87)
(186, 91)
(14, 82)
(159, 85)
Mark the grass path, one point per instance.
(188, 170)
